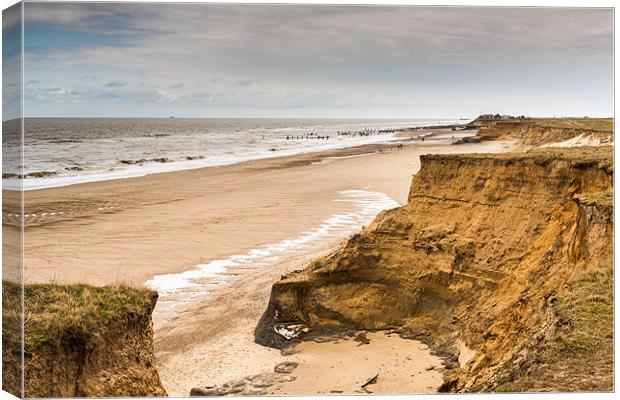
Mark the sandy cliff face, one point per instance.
(544, 132)
(478, 257)
(83, 341)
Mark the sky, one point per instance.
(223, 60)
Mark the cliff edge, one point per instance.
(487, 259)
(80, 341)
(546, 132)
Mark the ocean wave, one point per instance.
(37, 174)
(119, 149)
(161, 160)
(187, 287)
(146, 160)
(61, 141)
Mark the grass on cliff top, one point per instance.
(580, 358)
(66, 314)
(599, 155)
(597, 124)
(605, 199)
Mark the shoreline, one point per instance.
(111, 224)
(192, 285)
(165, 165)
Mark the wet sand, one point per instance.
(130, 230)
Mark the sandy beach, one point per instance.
(128, 231)
(230, 199)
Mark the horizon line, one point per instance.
(294, 117)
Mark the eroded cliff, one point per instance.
(549, 131)
(81, 341)
(481, 256)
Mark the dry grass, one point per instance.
(63, 314)
(601, 156)
(603, 199)
(581, 356)
(595, 124)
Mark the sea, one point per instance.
(66, 151)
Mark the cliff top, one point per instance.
(596, 124)
(67, 314)
(599, 154)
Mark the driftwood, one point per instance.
(370, 381)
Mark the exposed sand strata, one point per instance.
(580, 141)
(549, 132)
(481, 252)
(81, 341)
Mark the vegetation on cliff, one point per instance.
(542, 131)
(602, 124)
(601, 199)
(81, 340)
(580, 355)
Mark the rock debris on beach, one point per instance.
(250, 385)
(285, 367)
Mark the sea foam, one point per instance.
(189, 286)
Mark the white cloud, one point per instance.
(115, 84)
(164, 96)
(302, 57)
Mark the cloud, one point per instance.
(347, 44)
(163, 96)
(55, 90)
(297, 56)
(116, 84)
(97, 95)
(47, 94)
(246, 82)
(91, 18)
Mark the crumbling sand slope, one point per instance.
(561, 132)
(480, 256)
(80, 341)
